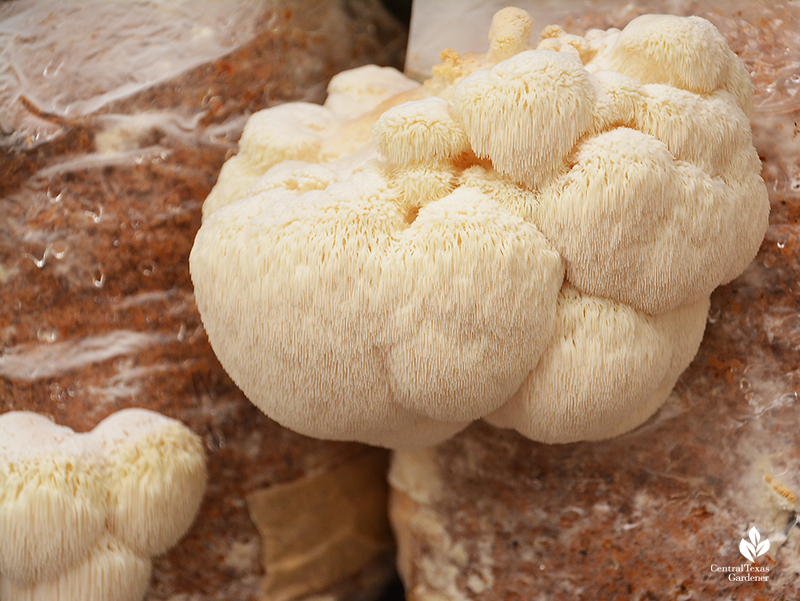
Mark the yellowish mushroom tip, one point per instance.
(82, 514)
(509, 34)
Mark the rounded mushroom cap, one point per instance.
(526, 113)
(100, 503)
(638, 226)
(357, 91)
(306, 132)
(294, 176)
(419, 132)
(418, 185)
(288, 132)
(576, 393)
(708, 130)
(688, 53)
(398, 319)
(156, 476)
(53, 499)
(110, 571)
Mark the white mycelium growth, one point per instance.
(531, 237)
(82, 514)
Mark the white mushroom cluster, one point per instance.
(531, 237)
(81, 515)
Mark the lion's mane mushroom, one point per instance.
(532, 236)
(81, 515)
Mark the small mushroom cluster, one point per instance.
(531, 237)
(81, 515)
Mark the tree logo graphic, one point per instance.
(755, 547)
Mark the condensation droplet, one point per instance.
(46, 334)
(215, 440)
(95, 216)
(54, 199)
(50, 70)
(58, 249)
(40, 263)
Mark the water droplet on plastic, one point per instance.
(46, 334)
(95, 216)
(214, 440)
(58, 249)
(52, 71)
(54, 199)
(40, 263)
